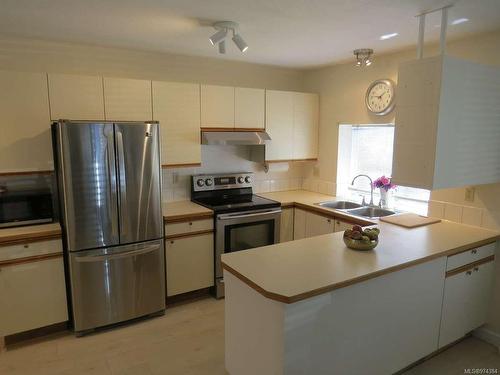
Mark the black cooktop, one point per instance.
(224, 203)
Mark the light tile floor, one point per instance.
(188, 340)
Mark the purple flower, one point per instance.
(384, 182)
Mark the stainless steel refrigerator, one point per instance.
(109, 186)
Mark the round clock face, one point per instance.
(380, 97)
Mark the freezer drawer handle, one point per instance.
(100, 258)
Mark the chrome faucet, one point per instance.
(371, 186)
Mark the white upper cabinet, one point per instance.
(305, 126)
(76, 97)
(25, 140)
(292, 121)
(127, 99)
(249, 108)
(447, 117)
(217, 106)
(279, 125)
(177, 107)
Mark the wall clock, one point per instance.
(380, 97)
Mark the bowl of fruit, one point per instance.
(358, 238)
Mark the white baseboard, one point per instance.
(487, 335)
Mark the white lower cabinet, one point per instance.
(33, 295)
(299, 225)
(316, 225)
(341, 226)
(465, 303)
(286, 225)
(190, 263)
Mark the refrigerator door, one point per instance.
(116, 284)
(138, 160)
(87, 180)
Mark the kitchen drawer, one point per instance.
(30, 249)
(173, 229)
(470, 256)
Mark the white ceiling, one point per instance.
(293, 33)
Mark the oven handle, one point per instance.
(230, 217)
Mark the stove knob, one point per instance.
(241, 180)
(200, 182)
(209, 182)
(248, 179)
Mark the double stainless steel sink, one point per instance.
(356, 209)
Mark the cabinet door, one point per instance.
(177, 107)
(480, 295)
(299, 224)
(249, 108)
(76, 97)
(316, 225)
(33, 296)
(305, 126)
(217, 106)
(127, 99)
(286, 226)
(190, 263)
(25, 140)
(341, 226)
(279, 125)
(453, 318)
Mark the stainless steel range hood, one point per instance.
(234, 138)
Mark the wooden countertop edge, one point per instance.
(187, 217)
(30, 237)
(315, 292)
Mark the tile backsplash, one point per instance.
(232, 159)
(475, 216)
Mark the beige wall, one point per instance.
(342, 89)
(45, 56)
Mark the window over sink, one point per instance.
(368, 149)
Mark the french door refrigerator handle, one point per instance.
(111, 169)
(122, 184)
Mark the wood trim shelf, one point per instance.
(185, 165)
(20, 239)
(469, 266)
(188, 234)
(188, 217)
(31, 259)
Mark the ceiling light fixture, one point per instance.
(363, 57)
(458, 21)
(219, 38)
(388, 36)
(222, 47)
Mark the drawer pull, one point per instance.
(476, 269)
(190, 223)
(469, 273)
(474, 251)
(26, 246)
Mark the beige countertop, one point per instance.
(296, 270)
(9, 236)
(184, 210)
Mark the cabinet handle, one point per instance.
(26, 246)
(190, 223)
(329, 220)
(474, 251)
(172, 242)
(476, 269)
(469, 273)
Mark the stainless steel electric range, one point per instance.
(243, 220)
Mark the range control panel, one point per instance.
(207, 182)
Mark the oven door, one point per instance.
(245, 230)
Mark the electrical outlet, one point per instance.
(469, 193)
